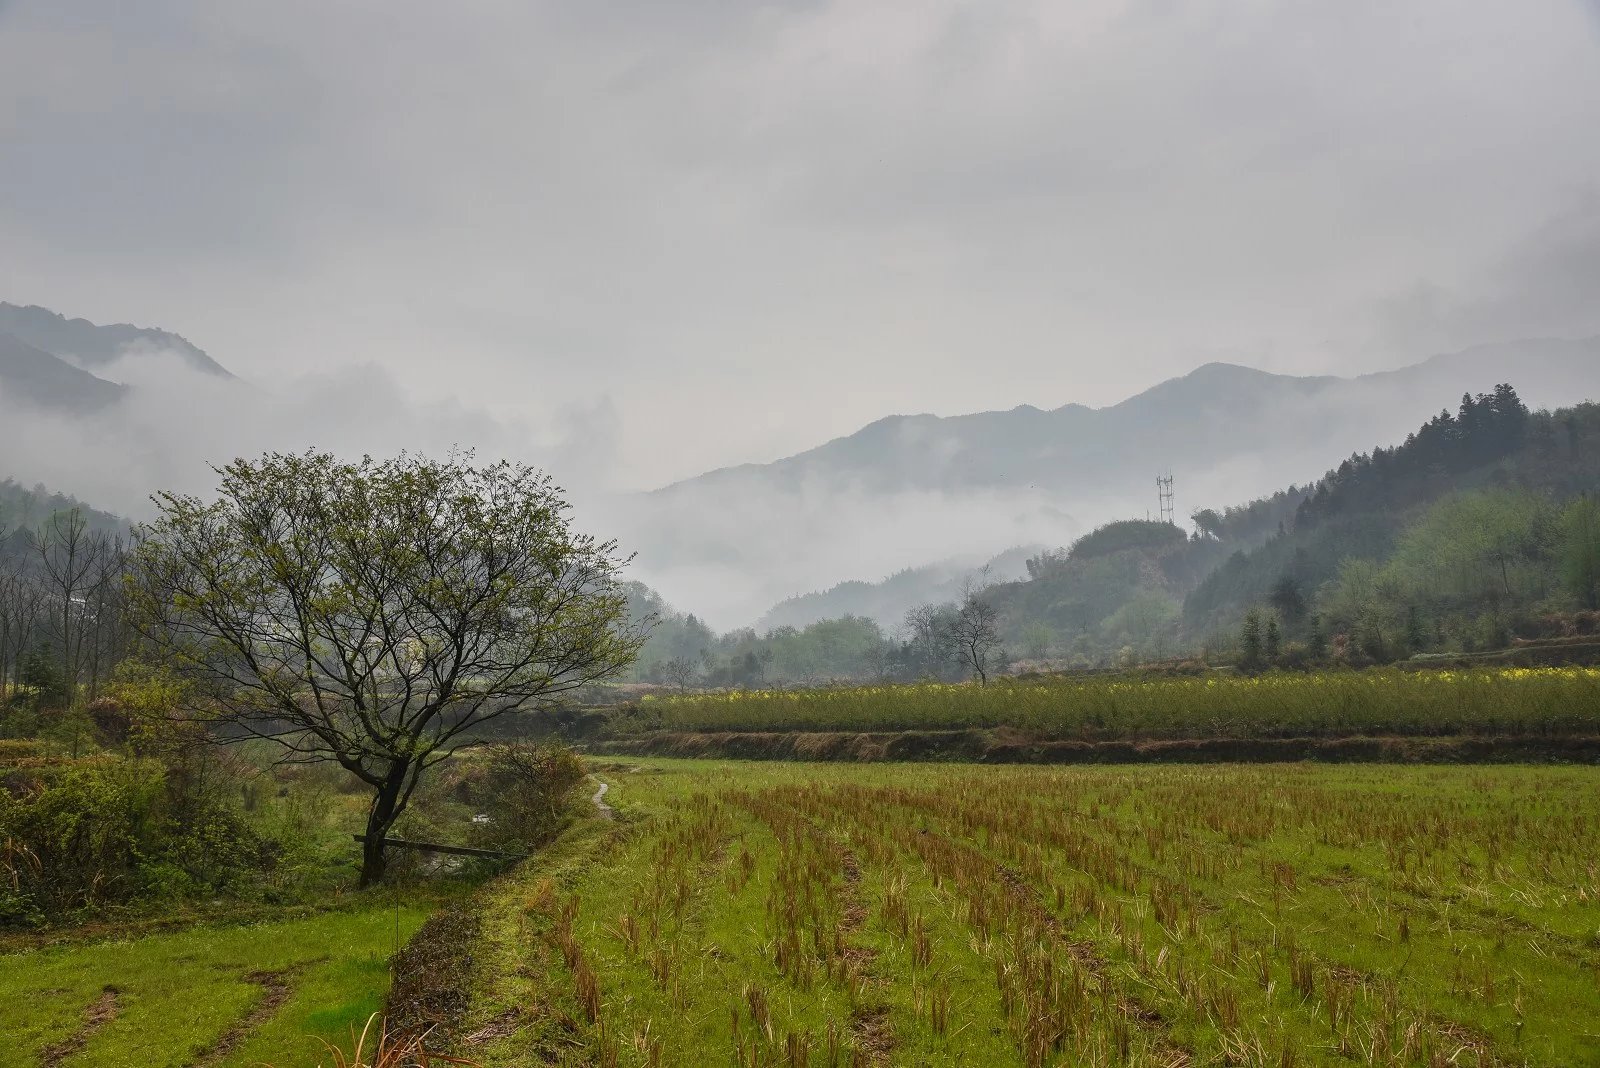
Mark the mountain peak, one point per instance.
(916, 487)
(93, 345)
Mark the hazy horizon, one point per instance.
(701, 236)
(632, 243)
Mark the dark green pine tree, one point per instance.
(1416, 633)
(1250, 642)
(40, 675)
(1288, 600)
(1317, 642)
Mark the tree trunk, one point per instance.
(976, 661)
(380, 817)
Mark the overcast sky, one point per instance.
(705, 232)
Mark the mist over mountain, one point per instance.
(74, 365)
(1057, 448)
(857, 525)
(886, 602)
(115, 413)
(35, 377)
(917, 488)
(91, 345)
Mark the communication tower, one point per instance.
(1164, 491)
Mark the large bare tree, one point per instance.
(374, 613)
(974, 633)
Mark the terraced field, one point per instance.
(782, 914)
(1481, 702)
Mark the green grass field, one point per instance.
(792, 914)
(784, 914)
(213, 994)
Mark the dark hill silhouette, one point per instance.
(34, 377)
(95, 346)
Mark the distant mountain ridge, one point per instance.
(49, 361)
(904, 490)
(887, 601)
(93, 345)
(1030, 446)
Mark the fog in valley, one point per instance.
(800, 532)
(698, 265)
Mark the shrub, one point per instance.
(525, 791)
(73, 835)
(108, 831)
(111, 720)
(381, 1046)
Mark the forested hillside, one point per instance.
(1117, 588)
(61, 565)
(683, 651)
(23, 508)
(1116, 594)
(1479, 528)
(889, 600)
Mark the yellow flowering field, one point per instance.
(1533, 701)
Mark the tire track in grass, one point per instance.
(1363, 1008)
(814, 906)
(99, 1012)
(619, 933)
(898, 1014)
(871, 1031)
(1014, 831)
(276, 988)
(1043, 1033)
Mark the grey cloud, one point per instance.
(752, 227)
(175, 423)
(1546, 284)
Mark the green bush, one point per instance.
(526, 791)
(110, 831)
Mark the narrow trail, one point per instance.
(606, 811)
